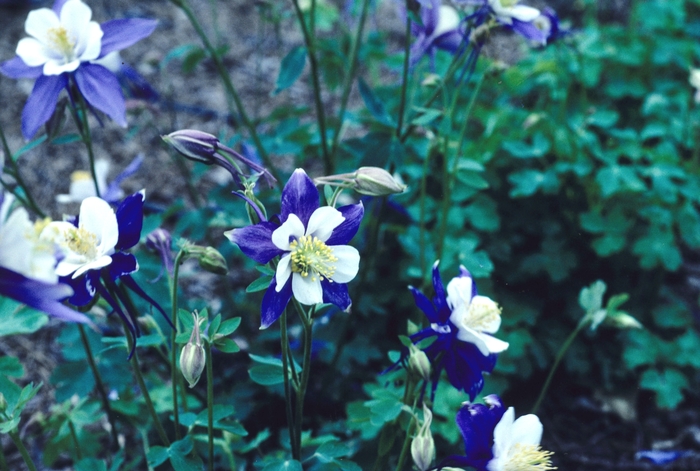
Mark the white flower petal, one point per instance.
(97, 216)
(307, 289)
(449, 20)
(348, 263)
(32, 52)
(502, 436)
(40, 21)
(65, 268)
(524, 13)
(75, 16)
(466, 334)
(89, 43)
(292, 227)
(54, 67)
(459, 292)
(103, 261)
(323, 221)
(284, 271)
(487, 312)
(55, 232)
(526, 430)
(493, 344)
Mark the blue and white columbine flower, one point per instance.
(495, 441)
(440, 30)
(524, 20)
(27, 265)
(315, 262)
(462, 323)
(64, 45)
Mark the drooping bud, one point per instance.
(196, 145)
(418, 363)
(193, 356)
(423, 445)
(375, 181)
(212, 261)
(622, 320)
(160, 241)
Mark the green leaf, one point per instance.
(265, 270)
(528, 182)
(214, 326)
(290, 69)
(426, 116)
(333, 449)
(66, 139)
(603, 118)
(16, 318)
(267, 375)
(616, 178)
(642, 348)
(260, 284)
(27, 147)
(539, 147)
(658, 247)
(283, 465)
(472, 179)
(229, 326)
(90, 464)
(11, 366)
(668, 385)
(374, 105)
(226, 345)
(591, 297)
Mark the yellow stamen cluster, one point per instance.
(312, 257)
(482, 313)
(508, 3)
(40, 225)
(61, 42)
(529, 458)
(82, 241)
(80, 175)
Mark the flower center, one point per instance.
(312, 257)
(61, 43)
(482, 313)
(508, 3)
(529, 458)
(82, 242)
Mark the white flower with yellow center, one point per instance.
(516, 445)
(308, 260)
(88, 246)
(60, 42)
(508, 10)
(21, 250)
(476, 317)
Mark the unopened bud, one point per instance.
(375, 181)
(622, 320)
(423, 445)
(212, 261)
(195, 145)
(193, 356)
(3, 403)
(418, 363)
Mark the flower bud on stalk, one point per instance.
(193, 357)
(418, 363)
(423, 445)
(375, 181)
(212, 261)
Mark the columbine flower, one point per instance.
(315, 263)
(462, 322)
(62, 46)
(27, 265)
(495, 441)
(440, 30)
(524, 20)
(83, 186)
(93, 248)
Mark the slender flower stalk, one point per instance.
(3, 461)
(79, 113)
(404, 75)
(14, 436)
(173, 346)
(99, 384)
(27, 200)
(74, 437)
(287, 387)
(310, 41)
(307, 323)
(210, 405)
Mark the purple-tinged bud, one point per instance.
(193, 357)
(160, 241)
(196, 145)
(212, 261)
(375, 181)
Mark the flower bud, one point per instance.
(375, 181)
(418, 363)
(3, 403)
(622, 320)
(423, 445)
(193, 356)
(212, 261)
(196, 145)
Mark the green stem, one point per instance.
(404, 76)
(173, 345)
(74, 436)
(287, 390)
(406, 445)
(102, 391)
(129, 305)
(307, 322)
(3, 461)
(81, 117)
(22, 450)
(350, 76)
(449, 176)
(421, 221)
(29, 202)
(560, 355)
(210, 405)
(228, 85)
(310, 42)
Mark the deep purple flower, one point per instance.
(440, 30)
(461, 322)
(63, 47)
(315, 262)
(495, 441)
